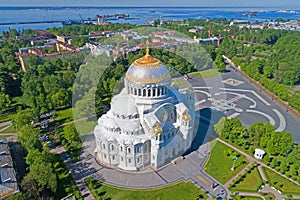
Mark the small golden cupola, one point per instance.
(186, 116)
(156, 129)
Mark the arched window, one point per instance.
(140, 92)
(162, 90)
(135, 91)
(144, 92)
(112, 147)
(121, 148)
(149, 92)
(154, 92)
(103, 146)
(138, 149)
(158, 92)
(128, 150)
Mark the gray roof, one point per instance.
(8, 182)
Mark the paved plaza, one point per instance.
(235, 97)
(242, 100)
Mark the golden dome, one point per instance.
(147, 61)
(147, 70)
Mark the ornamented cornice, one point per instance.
(146, 80)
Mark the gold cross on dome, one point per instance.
(147, 47)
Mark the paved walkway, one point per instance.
(72, 167)
(8, 123)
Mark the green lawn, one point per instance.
(281, 183)
(206, 73)
(6, 117)
(179, 190)
(250, 183)
(65, 115)
(8, 130)
(85, 127)
(245, 197)
(219, 165)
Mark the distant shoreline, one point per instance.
(120, 7)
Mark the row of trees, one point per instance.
(281, 152)
(48, 177)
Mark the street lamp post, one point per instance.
(234, 158)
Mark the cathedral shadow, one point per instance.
(83, 170)
(205, 132)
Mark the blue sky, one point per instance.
(291, 4)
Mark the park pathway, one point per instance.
(79, 180)
(259, 162)
(235, 177)
(266, 188)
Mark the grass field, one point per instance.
(246, 197)
(85, 127)
(250, 183)
(8, 130)
(219, 165)
(6, 117)
(206, 73)
(179, 190)
(65, 115)
(281, 183)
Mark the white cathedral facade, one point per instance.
(150, 123)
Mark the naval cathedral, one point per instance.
(150, 123)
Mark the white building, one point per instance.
(97, 49)
(259, 153)
(150, 123)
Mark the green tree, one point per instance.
(17, 196)
(219, 62)
(280, 143)
(29, 137)
(30, 188)
(44, 175)
(5, 102)
(23, 117)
